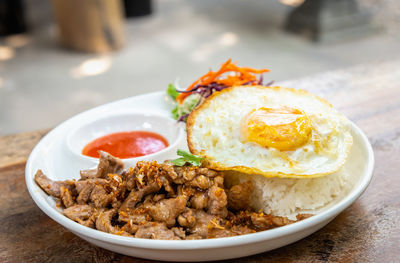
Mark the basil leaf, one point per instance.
(190, 158)
(171, 91)
(187, 158)
(179, 162)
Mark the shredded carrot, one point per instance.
(238, 76)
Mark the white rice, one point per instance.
(289, 197)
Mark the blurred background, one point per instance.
(60, 57)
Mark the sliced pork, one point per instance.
(158, 201)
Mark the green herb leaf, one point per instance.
(179, 162)
(175, 113)
(171, 91)
(187, 157)
(191, 158)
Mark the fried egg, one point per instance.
(272, 131)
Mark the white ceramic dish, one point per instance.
(77, 139)
(57, 154)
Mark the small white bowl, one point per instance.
(166, 127)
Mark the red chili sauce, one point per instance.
(126, 144)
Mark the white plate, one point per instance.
(55, 155)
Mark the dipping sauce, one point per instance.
(126, 144)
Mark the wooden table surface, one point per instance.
(368, 231)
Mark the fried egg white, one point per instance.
(272, 131)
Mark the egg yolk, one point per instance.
(282, 128)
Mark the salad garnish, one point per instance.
(228, 75)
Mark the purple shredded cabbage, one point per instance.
(269, 83)
(183, 118)
(261, 80)
(206, 90)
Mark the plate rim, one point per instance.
(175, 245)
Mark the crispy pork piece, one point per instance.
(85, 188)
(135, 197)
(83, 214)
(103, 223)
(167, 210)
(51, 187)
(239, 196)
(66, 197)
(157, 230)
(217, 201)
(108, 164)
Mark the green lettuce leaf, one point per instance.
(189, 103)
(171, 91)
(187, 106)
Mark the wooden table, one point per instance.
(368, 231)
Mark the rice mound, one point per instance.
(291, 196)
